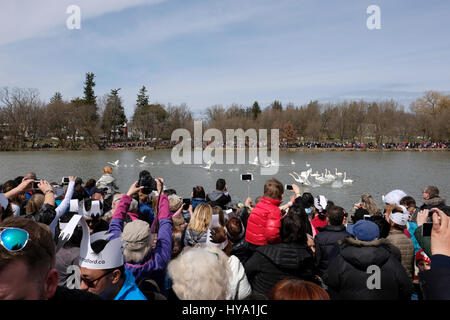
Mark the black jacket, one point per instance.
(436, 202)
(45, 215)
(240, 247)
(435, 283)
(272, 263)
(324, 242)
(347, 276)
(218, 198)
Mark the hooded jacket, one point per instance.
(274, 262)
(218, 198)
(348, 275)
(191, 237)
(324, 243)
(264, 222)
(435, 202)
(107, 181)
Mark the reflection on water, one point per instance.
(375, 173)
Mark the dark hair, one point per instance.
(234, 228)
(19, 179)
(382, 224)
(198, 192)
(335, 215)
(307, 199)
(90, 184)
(296, 289)
(220, 184)
(9, 185)
(294, 226)
(169, 192)
(408, 201)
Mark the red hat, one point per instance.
(421, 255)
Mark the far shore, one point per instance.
(281, 149)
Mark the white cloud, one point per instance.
(25, 19)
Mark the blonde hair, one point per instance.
(201, 218)
(107, 170)
(371, 205)
(35, 203)
(200, 273)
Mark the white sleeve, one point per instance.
(239, 286)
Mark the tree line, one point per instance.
(90, 121)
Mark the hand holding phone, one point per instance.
(288, 187)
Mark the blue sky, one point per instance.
(207, 52)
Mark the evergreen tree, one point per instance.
(114, 114)
(256, 110)
(142, 98)
(277, 106)
(57, 97)
(89, 85)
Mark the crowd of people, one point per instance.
(80, 240)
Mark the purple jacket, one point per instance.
(154, 265)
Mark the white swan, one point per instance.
(307, 164)
(338, 174)
(297, 179)
(141, 160)
(316, 174)
(208, 165)
(115, 163)
(337, 184)
(345, 180)
(292, 162)
(329, 176)
(302, 178)
(321, 179)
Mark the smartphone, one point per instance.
(426, 229)
(35, 184)
(247, 177)
(288, 187)
(65, 180)
(186, 202)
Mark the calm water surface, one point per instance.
(375, 173)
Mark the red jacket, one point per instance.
(318, 223)
(264, 222)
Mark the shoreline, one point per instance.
(237, 149)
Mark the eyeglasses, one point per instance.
(91, 283)
(14, 239)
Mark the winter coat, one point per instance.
(129, 290)
(107, 181)
(318, 223)
(436, 202)
(264, 222)
(274, 262)
(155, 263)
(238, 287)
(45, 215)
(324, 243)
(435, 283)
(196, 201)
(191, 237)
(348, 274)
(398, 239)
(218, 198)
(240, 247)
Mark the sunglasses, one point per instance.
(14, 239)
(92, 283)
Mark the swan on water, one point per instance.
(141, 160)
(338, 174)
(329, 176)
(115, 163)
(345, 180)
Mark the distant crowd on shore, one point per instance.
(165, 144)
(150, 244)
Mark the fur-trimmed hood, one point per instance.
(436, 201)
(362, 254)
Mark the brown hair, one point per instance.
(107, 170)
(273, 189)
(39, 252)
(335, 215)
(234, 227)
(35, 203)
(296, 289)
(432, 191)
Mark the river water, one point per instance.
(375, 173)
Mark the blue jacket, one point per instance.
(129, 290)
(196, 201)
(412, 228)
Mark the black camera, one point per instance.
(147, 181)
